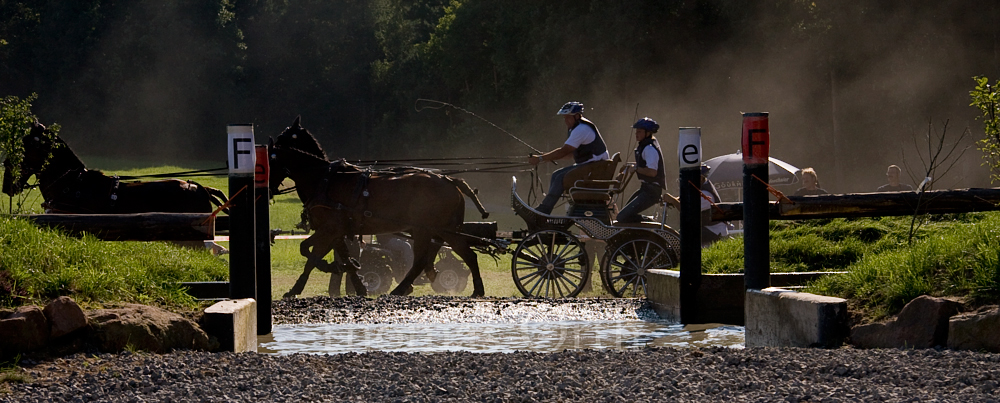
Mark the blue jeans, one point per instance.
(555, 189)
(647, 196)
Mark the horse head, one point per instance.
(296, 136)
(37, 148)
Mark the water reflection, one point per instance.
(494, 337)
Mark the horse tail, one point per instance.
(216, 196)
(469, 192)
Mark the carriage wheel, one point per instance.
(450, 280)
(550, 264)
(624, 266)
(375, 271)
(452, 276)
(377, 279)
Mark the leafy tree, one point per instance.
(16, 120)
(986, 97)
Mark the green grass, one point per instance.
(38, 265)
(952, 256)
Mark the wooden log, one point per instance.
(872, 205)
(133, 227)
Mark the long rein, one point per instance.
(494, 165)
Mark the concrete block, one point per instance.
(719, 299)
(663, 290)
(720, 296)
(781, 318)
(233, 323)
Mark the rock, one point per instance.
(144, 328)
(975, 331)
(923, 323)
(64, 316)
(24, 330)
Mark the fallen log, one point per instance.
(871, 205)
(132, 227)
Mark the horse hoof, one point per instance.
(401, 291)
(478, 294)
(288, 295)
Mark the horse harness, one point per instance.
(359, 197)
(74, 205)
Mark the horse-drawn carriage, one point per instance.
(552, 260)
(551, 257)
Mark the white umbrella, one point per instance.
(727, 171)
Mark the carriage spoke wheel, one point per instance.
(377, 279)
(550, 264)
(625, 264)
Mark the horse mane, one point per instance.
(59, 150)
(303, 140)
(62, 150)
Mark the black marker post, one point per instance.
(689, 158)
(756, 244)
(242, 248)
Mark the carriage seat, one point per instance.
(591, 191)
(590, 176)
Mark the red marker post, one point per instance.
(756, 245)
(262, 237)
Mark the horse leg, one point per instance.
(421, 259)
(313, 249)
(429, 269)
(334, 287)
(349, 265)
(460, 246)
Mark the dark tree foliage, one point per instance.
(166, 77)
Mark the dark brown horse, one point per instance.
(342, 200)
(69, 187)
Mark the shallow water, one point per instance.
(550, 336)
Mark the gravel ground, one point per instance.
(651, 374)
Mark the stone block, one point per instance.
(777, 317)
(144, 328)
(64, 316)
(923, 323)
(24, 330)
(978, 331)
(233, 323)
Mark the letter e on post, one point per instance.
(689, 147)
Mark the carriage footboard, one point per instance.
(487, 230)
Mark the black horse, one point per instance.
(342, 200)
(68, 187)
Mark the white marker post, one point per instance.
(689, 159)
(242, 249)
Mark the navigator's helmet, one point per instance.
(571, 108)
